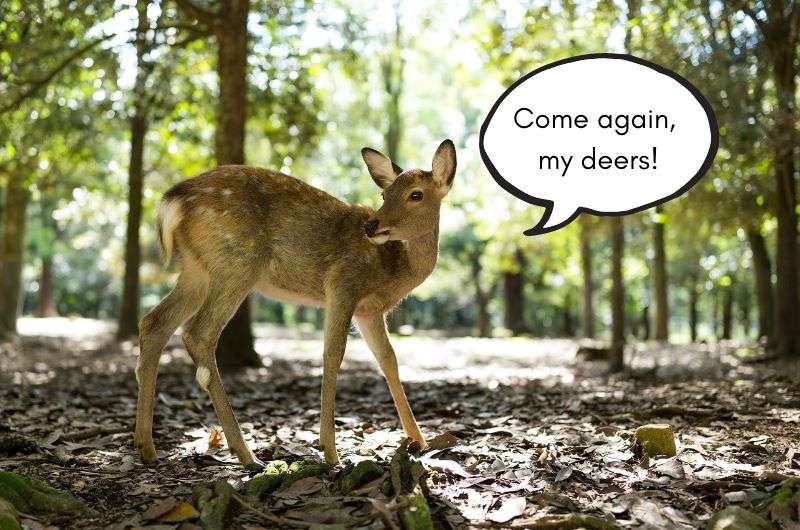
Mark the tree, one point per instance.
(588, 277)
(660, 282)
(229, 25)
(617, 358)
(778, 22)
(513, 295)
(142, 109)
(27, 71)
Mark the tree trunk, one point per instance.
(693, 299)
(763, 280)
(743, 301)
(514, 297)
(645, 320)
(129, 309)
(47, 301)
(567, 325)
(392, 72)
(235, 348)
(787, 319)
(727, 313)
(588, 280)
(616, 357)
(661, 320)
(12, 253)
(483, 323)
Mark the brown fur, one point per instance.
(237, 229)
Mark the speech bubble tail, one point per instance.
(555, 217)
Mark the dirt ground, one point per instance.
(525, 430)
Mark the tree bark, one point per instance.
(587, 308)
(743, 301)
(392, 73)
(567, 325)
(128, 325)
(762, 269)
(660, 294)
(514, 298)
(483, 323)
(727, 313)
(12, 249)
(693, 299)
(47, 301)
(616, 357)
(787, 320)
(235, 348)
(780, 34)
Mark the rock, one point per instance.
(30, 495)
(655, 440)
(360, 474)
(214, 503)
(736, 518)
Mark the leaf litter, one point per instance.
(504, 451)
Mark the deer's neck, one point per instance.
(422, 254)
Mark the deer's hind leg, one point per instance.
(155, 329)
(201, 337)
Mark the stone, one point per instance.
(655, 440)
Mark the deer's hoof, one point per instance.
(256, 466)
(147, 452)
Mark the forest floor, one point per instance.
(523, 431)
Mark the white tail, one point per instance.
(169, 214)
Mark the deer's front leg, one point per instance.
(338, 313)
(373, 329)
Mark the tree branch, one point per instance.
(43, 81)
(201, 14)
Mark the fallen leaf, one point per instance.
(510, 508)
(182, 512)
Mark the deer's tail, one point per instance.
(168, 216)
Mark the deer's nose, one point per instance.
(370, 227)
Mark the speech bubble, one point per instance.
(606, 134)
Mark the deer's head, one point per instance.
(411, 198)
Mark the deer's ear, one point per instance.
(444, 164)
(382, 170)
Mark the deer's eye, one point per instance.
(415, 196)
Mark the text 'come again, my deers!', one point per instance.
(606, 134)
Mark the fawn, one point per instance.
(237, 229)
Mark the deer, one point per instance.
(238, 229)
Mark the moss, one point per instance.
(417, 515)
(358, 475)
(735, 518)
(9, 518)
(655, 440)
(30, 495)
(303, 469)
(268, 480)
(280, 475)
